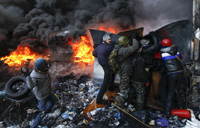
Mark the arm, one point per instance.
(157, 66)
(141, 70)
(173, 50)
(152, 48)
(31, 83)
(127, 51)
(94, 53)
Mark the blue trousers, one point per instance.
(44, 106)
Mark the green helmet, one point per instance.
(123, 40)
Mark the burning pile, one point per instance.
(21, 56)
(83, 51)
(82, 54)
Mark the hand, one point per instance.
(147, 84)
(135, 43)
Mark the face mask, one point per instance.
(144, 42)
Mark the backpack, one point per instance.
(113, 61)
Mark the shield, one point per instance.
(97, 36)
(180, 33)
(134, 33)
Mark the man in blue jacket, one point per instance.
(102, 52)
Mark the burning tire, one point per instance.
(16, 88)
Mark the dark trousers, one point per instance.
(108, 82)
(174, 82)
(163, 89)
(139, 89)
(147, 89)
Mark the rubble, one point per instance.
(74, 95)
(2, 94)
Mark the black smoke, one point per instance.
(20, 19)
(37, 18)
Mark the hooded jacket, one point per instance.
(171, 63)
(40, 83)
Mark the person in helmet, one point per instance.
(102, 52)
(138, 81)
(40, 83)
(149, 48)
(174, 72)
(125, 52)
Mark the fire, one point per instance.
(21, 56)
(109, 29)
(83, 51)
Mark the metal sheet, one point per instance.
(180, 33)
(97, 36)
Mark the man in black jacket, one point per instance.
(149, 48)
(174, 72)
(102, 52)
(138, 81)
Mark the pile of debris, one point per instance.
(74, 95)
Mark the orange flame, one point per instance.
(21, 56)
(83, 51)
(109, 29)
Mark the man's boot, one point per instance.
(120, 98)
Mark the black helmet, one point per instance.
(41, 65)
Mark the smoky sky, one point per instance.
(37, 18)
(153, 14)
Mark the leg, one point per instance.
(111, 81)
(147, 89)
(51, 101)
(140, 92)
(171, 90)
(131, 94)
(179, 90)
(163, 89)
(104, 85)
(42, 107)
(124, 86)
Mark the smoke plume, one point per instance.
(38, 18)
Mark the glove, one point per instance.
(147, 84)
(135, 43)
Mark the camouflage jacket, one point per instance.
(125, 58)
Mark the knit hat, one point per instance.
(106, 37)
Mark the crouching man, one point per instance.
(40, 82)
